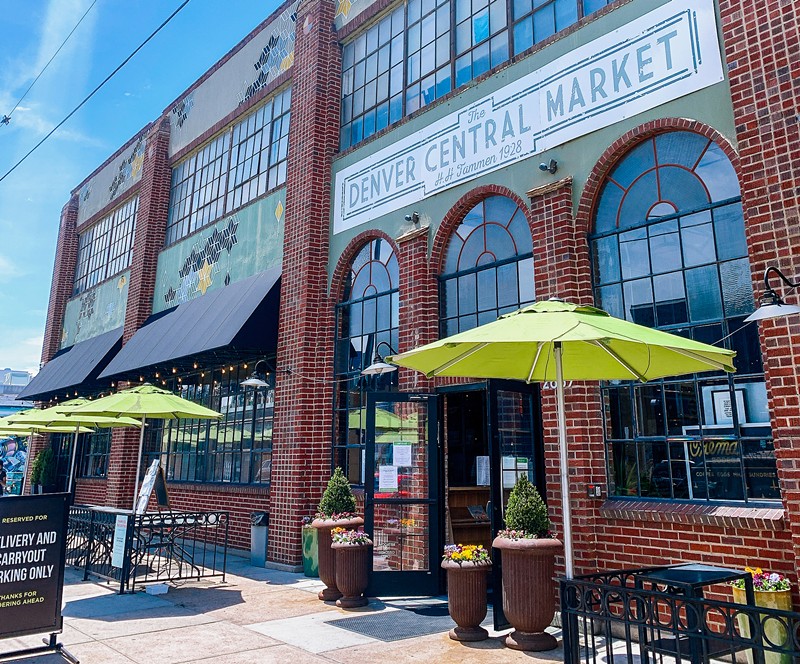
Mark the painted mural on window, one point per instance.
(669, 251)
(95, 311)
(234, 248)
(14, 451)
(276, 57)
(129, 168)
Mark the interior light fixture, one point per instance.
(771, 305)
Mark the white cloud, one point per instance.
(20, 348)
(7, 269)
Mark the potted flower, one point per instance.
(353, 551)
(528, 563)
(310, 560)
(466, 566)
(337, 509)
(772, 591)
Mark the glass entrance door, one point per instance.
(515, 449)
(401, 493)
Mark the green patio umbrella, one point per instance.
(60, 415)
(145, 402)
(559, 341)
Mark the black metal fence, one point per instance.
(147, 548)
(610, 618)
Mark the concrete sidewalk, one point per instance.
(257, 615)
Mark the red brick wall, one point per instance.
(762, 47)
(303, 412)
(91, 492)
(148, 240)
(238, 501)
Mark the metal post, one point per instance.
(138, 466)
(562, 455)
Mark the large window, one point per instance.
(669, 251)
(426, 48)
(367, 321)
(236, 449)
(488, 268)
(105, 248)
(236, 167)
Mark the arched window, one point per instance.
(366, 317)
(669, 251)
(488, 266)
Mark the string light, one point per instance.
(174, 370)
(157, 376)
(195, 365)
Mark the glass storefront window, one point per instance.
(488, 266)
(367, 321)
(236, 449)
(426, 48)
(669, 251)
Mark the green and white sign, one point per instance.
(667, 53)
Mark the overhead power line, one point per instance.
(93, 92)
(7, 118)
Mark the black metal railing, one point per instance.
(610, 618)
(147, 548)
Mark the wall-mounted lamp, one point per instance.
(413, 218)
(771, 305)
(551, 166)
(378, 365)
(256, 379)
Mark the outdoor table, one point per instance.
(689, 580)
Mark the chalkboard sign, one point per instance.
(33, 536)
(153, 479)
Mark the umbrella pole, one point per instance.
(72, 461)
(138, 465)
(562, 455)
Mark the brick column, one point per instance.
(419, 303)
(303, 412)
(761, 47)
(562, 269)
(151, 222)
(63, 278)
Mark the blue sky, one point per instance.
(31, 197)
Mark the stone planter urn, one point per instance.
(528, 597)
(466, 598)
(325, 556)
(353, 563)
(774, 630)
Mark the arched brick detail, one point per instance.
(623, 145)
(343, 264)
(457, 213)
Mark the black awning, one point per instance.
(78, 365)
(239, 318)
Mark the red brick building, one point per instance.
(359, 178)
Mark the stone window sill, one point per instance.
(752, 518)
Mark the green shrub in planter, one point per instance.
(526, 510)
(43, 470)
(338, 500)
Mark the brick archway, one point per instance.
(619, 148)
(351, 250)
(457, 213)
